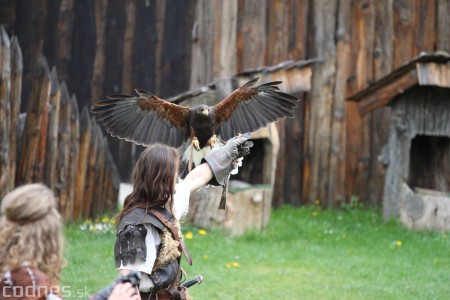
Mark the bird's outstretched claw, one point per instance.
(196, 144)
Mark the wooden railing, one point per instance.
(52, 143)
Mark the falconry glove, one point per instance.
(221, 160)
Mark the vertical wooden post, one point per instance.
(15, 99)
(203, 44)
(37, 103)
(63, 158)
(251, 36)
(382, 65)
(225, 53)
(443, 24)
(336, 173)
(50, 174)
(323, 82)
(83, 154)
(73, 155)
(5, 112)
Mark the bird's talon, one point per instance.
(212, 141)
(196, 144)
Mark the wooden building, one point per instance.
(417, 153)
(102, 47)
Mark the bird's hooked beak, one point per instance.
(205, 111)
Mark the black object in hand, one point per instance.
(133, 277)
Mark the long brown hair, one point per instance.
(153, 179)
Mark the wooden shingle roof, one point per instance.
(424, 69)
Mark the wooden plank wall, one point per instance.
(44, 146)
(102, 47)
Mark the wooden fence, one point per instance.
(52, 143)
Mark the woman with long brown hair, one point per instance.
(31, 243)
(148, 234)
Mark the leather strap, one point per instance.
(174, 232)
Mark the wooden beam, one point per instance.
(384, 95)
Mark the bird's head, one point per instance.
(203, 109)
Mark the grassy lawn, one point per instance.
(303, 254)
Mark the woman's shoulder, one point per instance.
(138, 216)
(27, 279)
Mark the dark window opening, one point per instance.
(429, 165)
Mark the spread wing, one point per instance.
(143, 119)
(250, 108)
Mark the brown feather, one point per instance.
(177, 115)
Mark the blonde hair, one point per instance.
(31, 230)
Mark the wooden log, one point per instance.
(382, 65)
(83, 156)
(251, 36)
(5, 112)
(100, 193)
(425, 26)
(50, 175)
(277, 26)
(160, 8)
(297, 15)
(96, 200)
(276, 51)
(175, 56)
(63, 157)
(73, 155)
(443, 25)
(113, 184)
(203, 44)
(336, 174)
(15, 100)
(128, 38)
(64, 39)
(8, 15)
(37, 102)
(358, 128)
(225, 52)
(83, 51)
(30, 28)
(404, 24)
(144, 69)
(323, 82)
(98, 75)
(39, 166)
(91, 170)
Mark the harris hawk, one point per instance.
(146, 119)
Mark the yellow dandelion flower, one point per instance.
(235, 264)
(228, 265)
(398, 243)
(314, 213)
(317, 202)
(105, 220)
(188, 235)
(205, 257)
(87, 222)
(113, 221)
(202, 232)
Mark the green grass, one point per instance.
(347, 254)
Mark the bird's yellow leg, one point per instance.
(195, 144)
(212, 141)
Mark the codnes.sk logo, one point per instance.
(64, 292)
